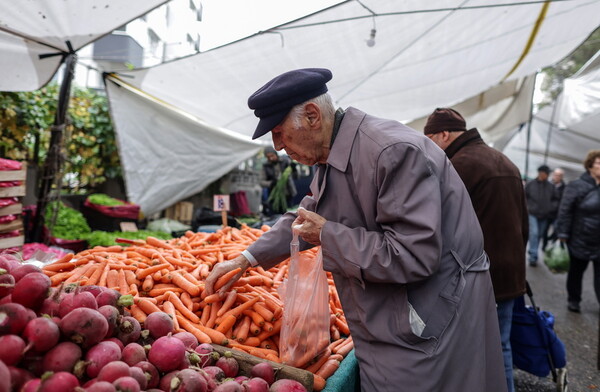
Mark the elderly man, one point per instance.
(494, 184)
(398, 233)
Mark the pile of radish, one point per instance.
(74, 338)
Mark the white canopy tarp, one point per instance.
(31, 30)
(168, 155)
(426, 55)
(563, 133)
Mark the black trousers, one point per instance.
(577, 268)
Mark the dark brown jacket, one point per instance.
(496, 190)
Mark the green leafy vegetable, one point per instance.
(104, 200)
(65, 222)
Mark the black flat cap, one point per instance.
(273, 101)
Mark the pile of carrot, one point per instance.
(168, 276)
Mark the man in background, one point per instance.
(273, 171)
(541, 201)
(559, 186)
(496, 191)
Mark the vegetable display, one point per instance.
(104, 200)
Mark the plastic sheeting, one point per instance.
(426, 55)
(34, 34)
(563, 133)
(168, 155)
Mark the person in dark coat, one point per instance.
(559, 187)
(272, 171)
(495, 187)
(398, 233)
(579, 226)
(541, 198)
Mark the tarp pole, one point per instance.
(54, 159)
(529, 129)
(550, 129)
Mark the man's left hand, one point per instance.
(309, 226)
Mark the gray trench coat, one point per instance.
(400, 233)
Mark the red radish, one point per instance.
(114, 298)
(13, 318)
(256, 384)
(208, 355)
(129, 330)
(167, 353)
(119, 343)
(150, 372)
(9, 262)
(95, 290)
(101, 386)
(112, 316)
(188, 380)
(229, 365)
(4, 378)
(31, 290)
(59, 382)
(76, 300)
(159, 324)
(127, 384)
(185, 362)
(113, 370)
(214, 372)
(240, 379)
(23, 270)
(189, 340)
(11, 349)
(139, 376)
(99, 355)
(7, 283)
(287, 385)
(133, 353)
(229, 386)
(33, 362)
(165, 381)
(42, 334)
(265, 371)
(62, 357)
(84, 326)
(18, 377)
(7, 299)
(31, 385)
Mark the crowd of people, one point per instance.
(424, 233)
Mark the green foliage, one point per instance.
(104, 238)
(277, 197)
(554, 76)
(65, 222)
(104, 200)
(89, 141)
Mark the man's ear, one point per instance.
(313, 115)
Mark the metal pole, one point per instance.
(527, 147)
(53, 163)
(550, 129)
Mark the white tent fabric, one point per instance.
(563, 133)
(34, 28)
(426, 55)
(168, 155)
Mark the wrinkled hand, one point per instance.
(222, 268)
(310, 225)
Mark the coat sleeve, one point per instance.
(566, 210)
(406, 247)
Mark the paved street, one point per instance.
(579, 331)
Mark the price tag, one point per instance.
(128, 226)
(221, 202)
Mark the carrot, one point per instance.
(215, 336)
(112, 279)
(210, 299)
(142, 273)
(79, 272)
(252, 341)
(186, 285)
(328, 368)
(187, 301)
(130, 278)
(244, 329)
(202, 336)
(256, 318)
(205, 314)
(264, 312)
(123, 286)
(318, 383)
(223, 279)
(147, 306)
(170, 310)
(226, 324)
(59, 267)
(183, 309)
(148, 283)
(214, 309)
(342, 326)
(345, 347)
(228, 303)
(237, 311)
(137, 313)
(59, 277)
(320, 361)
(96, 275)
(155, 292)
(153, 241)
(102, 281)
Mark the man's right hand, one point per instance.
(222, 268)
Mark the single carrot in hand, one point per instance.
(223, 279)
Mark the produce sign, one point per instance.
(165, 280)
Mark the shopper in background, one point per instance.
(559, 186)
(397, 231)
(272, 171)
(496, 190)
(578, 225)
(541, 198)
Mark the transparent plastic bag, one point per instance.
(305, 329)
(557, 257)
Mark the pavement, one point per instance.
(578, 331)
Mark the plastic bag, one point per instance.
(557, 257)
(305, 329)
(167, 225)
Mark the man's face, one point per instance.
(272, 157)
(440, 138)
(557, 176)
(542, 176)
(298, 141)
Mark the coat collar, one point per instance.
(470, 136)
(339, 155)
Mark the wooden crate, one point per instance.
(182, 212)
(14, 209)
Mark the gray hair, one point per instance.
(324, 102)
